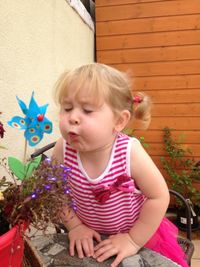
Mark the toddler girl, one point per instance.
(117, 188)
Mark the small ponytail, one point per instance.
(142, 108)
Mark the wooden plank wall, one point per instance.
(159, 42)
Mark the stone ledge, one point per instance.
(52, 251)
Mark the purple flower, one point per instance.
(52, 179)
(48, 187)
(67, 191)
(33, 195)
(48, 160)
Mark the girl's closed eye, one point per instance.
(87, 111)
(87, 108)
(68, 109)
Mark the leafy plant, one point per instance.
(130, 132)
(181, 167)
(37, 198)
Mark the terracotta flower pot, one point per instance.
(12, 247)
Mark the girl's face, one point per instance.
(85, 125)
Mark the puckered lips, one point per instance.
(73, 135)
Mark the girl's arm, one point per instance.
(68, 217)
(80, 236)
(152, 184)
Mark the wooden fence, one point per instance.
(158, 41)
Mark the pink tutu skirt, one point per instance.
(164, 241)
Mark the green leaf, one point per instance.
(17, 167)
(32, 165)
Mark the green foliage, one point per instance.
(182, 169)
(130, 132)
(21, 170)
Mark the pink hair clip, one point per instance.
(137, 99)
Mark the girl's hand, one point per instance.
(121, 245)
(81, 238)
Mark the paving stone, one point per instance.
(156, 260)
(54, 250)
(135, 261)
(41, 243)
(47, 261)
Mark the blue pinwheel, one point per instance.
(35, 123)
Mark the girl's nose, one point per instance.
(74, 118)
(75, 121)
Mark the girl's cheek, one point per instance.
(61, 126)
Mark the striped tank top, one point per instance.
(121, 210)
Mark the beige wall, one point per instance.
(39, 39)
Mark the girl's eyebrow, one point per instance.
(86, 102)
(66, 103)
(83, 102)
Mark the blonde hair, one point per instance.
(104, 83)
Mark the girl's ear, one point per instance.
(122, 120)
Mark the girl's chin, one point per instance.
(75, 144)
(80, 148)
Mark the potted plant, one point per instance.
(31, 192)
(37, 199)
(184, 172)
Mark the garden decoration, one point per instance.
(35, 124)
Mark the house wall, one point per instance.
(158, 42)
(38, 41)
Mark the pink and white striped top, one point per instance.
(121, 210)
